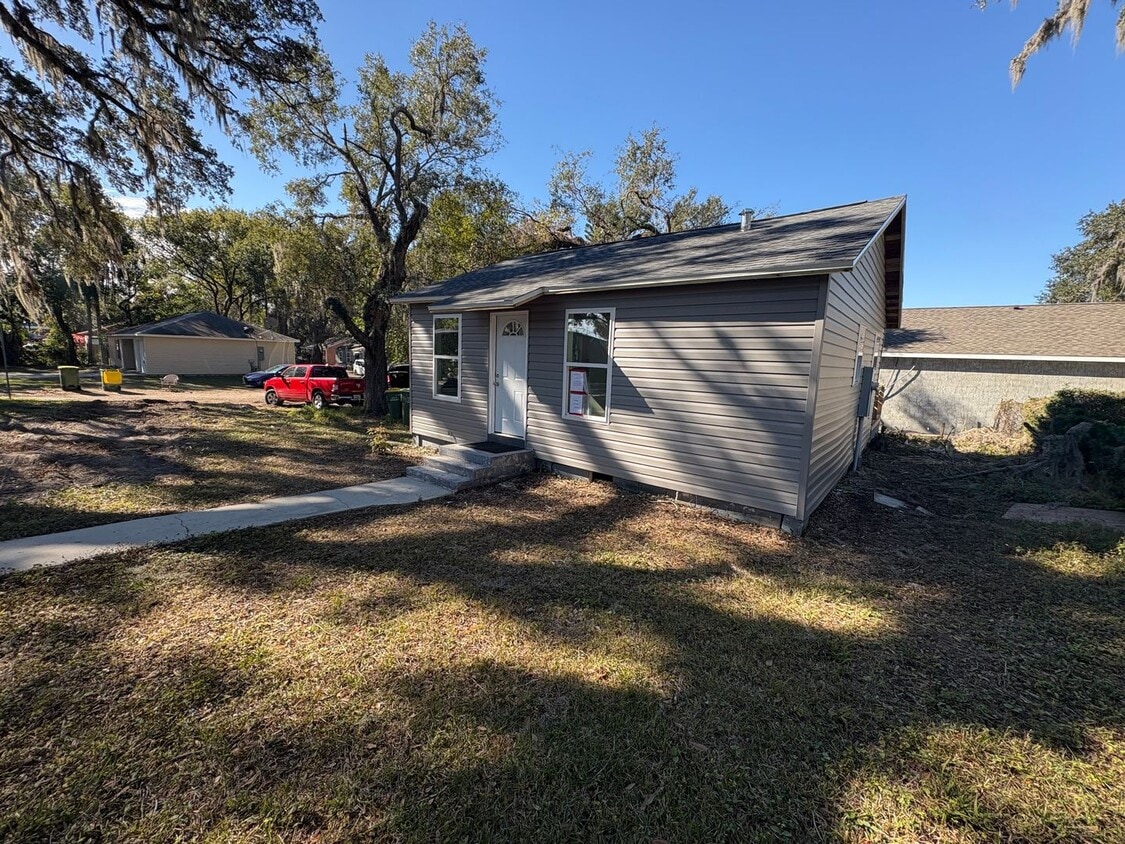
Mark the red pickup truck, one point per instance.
(314, 383)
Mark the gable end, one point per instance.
(893, 240)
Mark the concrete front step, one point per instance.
(462, 467)
(521, 459)
(453, 465)
(445, 479)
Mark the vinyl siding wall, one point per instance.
(206, 356)
(708, 392)
(853, 299)
(438, 419)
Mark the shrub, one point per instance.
(388, 437)
(1100, 439)
(1059, 413)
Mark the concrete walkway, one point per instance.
(57, 548)
(1055, 514)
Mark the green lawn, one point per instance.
(553, 660)
(71, 464)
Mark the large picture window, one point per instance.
(447, 358)
(587, 364)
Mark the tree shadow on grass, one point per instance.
(98, 463)
(586, 666)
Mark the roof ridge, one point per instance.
(899, 197)
(1016, 307)
(663, 236)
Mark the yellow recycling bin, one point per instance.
(111, 380)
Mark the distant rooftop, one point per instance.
(202, 324)
(1084, 330)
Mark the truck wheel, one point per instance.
(318, 400)
(272, 399)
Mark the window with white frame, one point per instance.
(857, 373)
(587, 363)
(447, 357)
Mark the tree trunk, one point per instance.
(103, 347)
(13, 348)
(372, 335)
(59, 317)
(89, 324)
(375, 371)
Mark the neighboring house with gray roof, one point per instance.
(722, 364)
(948, 369)
(201, 343)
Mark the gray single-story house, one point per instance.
(948, 369)
(723, 364)
(202, 343)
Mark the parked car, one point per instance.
(317, 385)
(259, 379)
(398, 374)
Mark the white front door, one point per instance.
(509, 373)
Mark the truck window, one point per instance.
(299, 371)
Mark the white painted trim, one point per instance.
(890, 353)
(883, 228)
(435, 357)
(493, 322)
(860, 349)
(612, 311)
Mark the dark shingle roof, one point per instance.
(827, 240)
(1084, 330)
(203, 324)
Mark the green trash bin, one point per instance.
(406, 408)
(394, 405)
(68, 378)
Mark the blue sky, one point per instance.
(803, 105)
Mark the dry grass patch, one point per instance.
(70, 465)
(557, 660)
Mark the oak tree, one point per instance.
(405, 138)
(642, 199)
(1068, 15)
(1092, 270)
(100, 96)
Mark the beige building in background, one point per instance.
(948, 369)
(202, 343)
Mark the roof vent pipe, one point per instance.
(747, 215)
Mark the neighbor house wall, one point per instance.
(708, 392)
(209, 356)
(440, 419)
(935, 395)
(853, 299)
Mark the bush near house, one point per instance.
(1095, 423)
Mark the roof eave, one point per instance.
(892, 353)
(407, 299)
(875, 237)
(444, 306)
